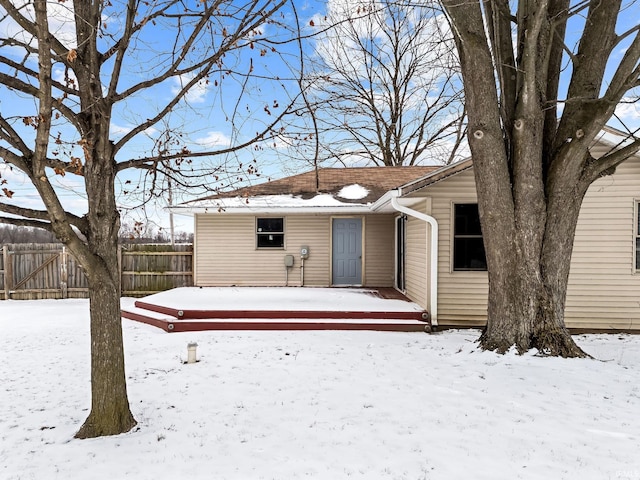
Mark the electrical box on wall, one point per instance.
(288, 260)
(304, 252)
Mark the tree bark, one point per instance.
(72, 118)
(530, 177)
(527, 289)
(110, 413)
(528, 278)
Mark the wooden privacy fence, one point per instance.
(47, 270)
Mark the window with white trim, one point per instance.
(270, 232)
(468, 245)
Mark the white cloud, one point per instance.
(121, 130)
(629, 109)
(350, 24)
(214, 139)
(62, 22)
(12, 174)
(196, 94)
(58, 75)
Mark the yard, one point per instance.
(320, 405)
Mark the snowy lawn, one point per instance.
(319, 405)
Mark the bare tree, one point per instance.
(385, 84)
(67, 69)
(531, 158)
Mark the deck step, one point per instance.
(170, 323)
(184, 314)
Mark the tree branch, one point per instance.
(596, 44)
(8, 133)
(22, 222)
(41, 215)
(249, 23)
(33, 29)
(144, 162)
(597, 167)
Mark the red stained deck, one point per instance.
(169, 316)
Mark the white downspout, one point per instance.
(433, 261)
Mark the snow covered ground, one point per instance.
(315, 405)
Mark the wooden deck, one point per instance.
(167, 314)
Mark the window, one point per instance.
(468, 246)
(270, 232)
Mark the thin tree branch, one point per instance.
(595, 168)
(23, 222)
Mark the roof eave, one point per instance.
(271, 210)
(383, 204)
(436, 176)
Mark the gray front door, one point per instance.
(347, 251)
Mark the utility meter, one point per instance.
(304, 252)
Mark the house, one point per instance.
(393, 227)
(243, 237)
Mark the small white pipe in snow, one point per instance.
(191, 352)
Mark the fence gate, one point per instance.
(34, 271)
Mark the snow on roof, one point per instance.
(353, 192)
(354, 186)
(287, 201)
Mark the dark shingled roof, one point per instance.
(377, 180)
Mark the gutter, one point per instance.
(433, 260)
(272, 209)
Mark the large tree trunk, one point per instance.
(110, 413)
(529, 189)
(528, 280)
(526, 311)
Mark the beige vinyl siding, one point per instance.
(312, 231)
(462, 296)
(226, 252)
(379, 244)
(416, 260)
(604, 288)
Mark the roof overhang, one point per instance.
(383, 204)
(436, 176)
(271, 210)
(264, 206)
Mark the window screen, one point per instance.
(468, 246)
(270, 232)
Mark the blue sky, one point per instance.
(213, 115)
(205, 119)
